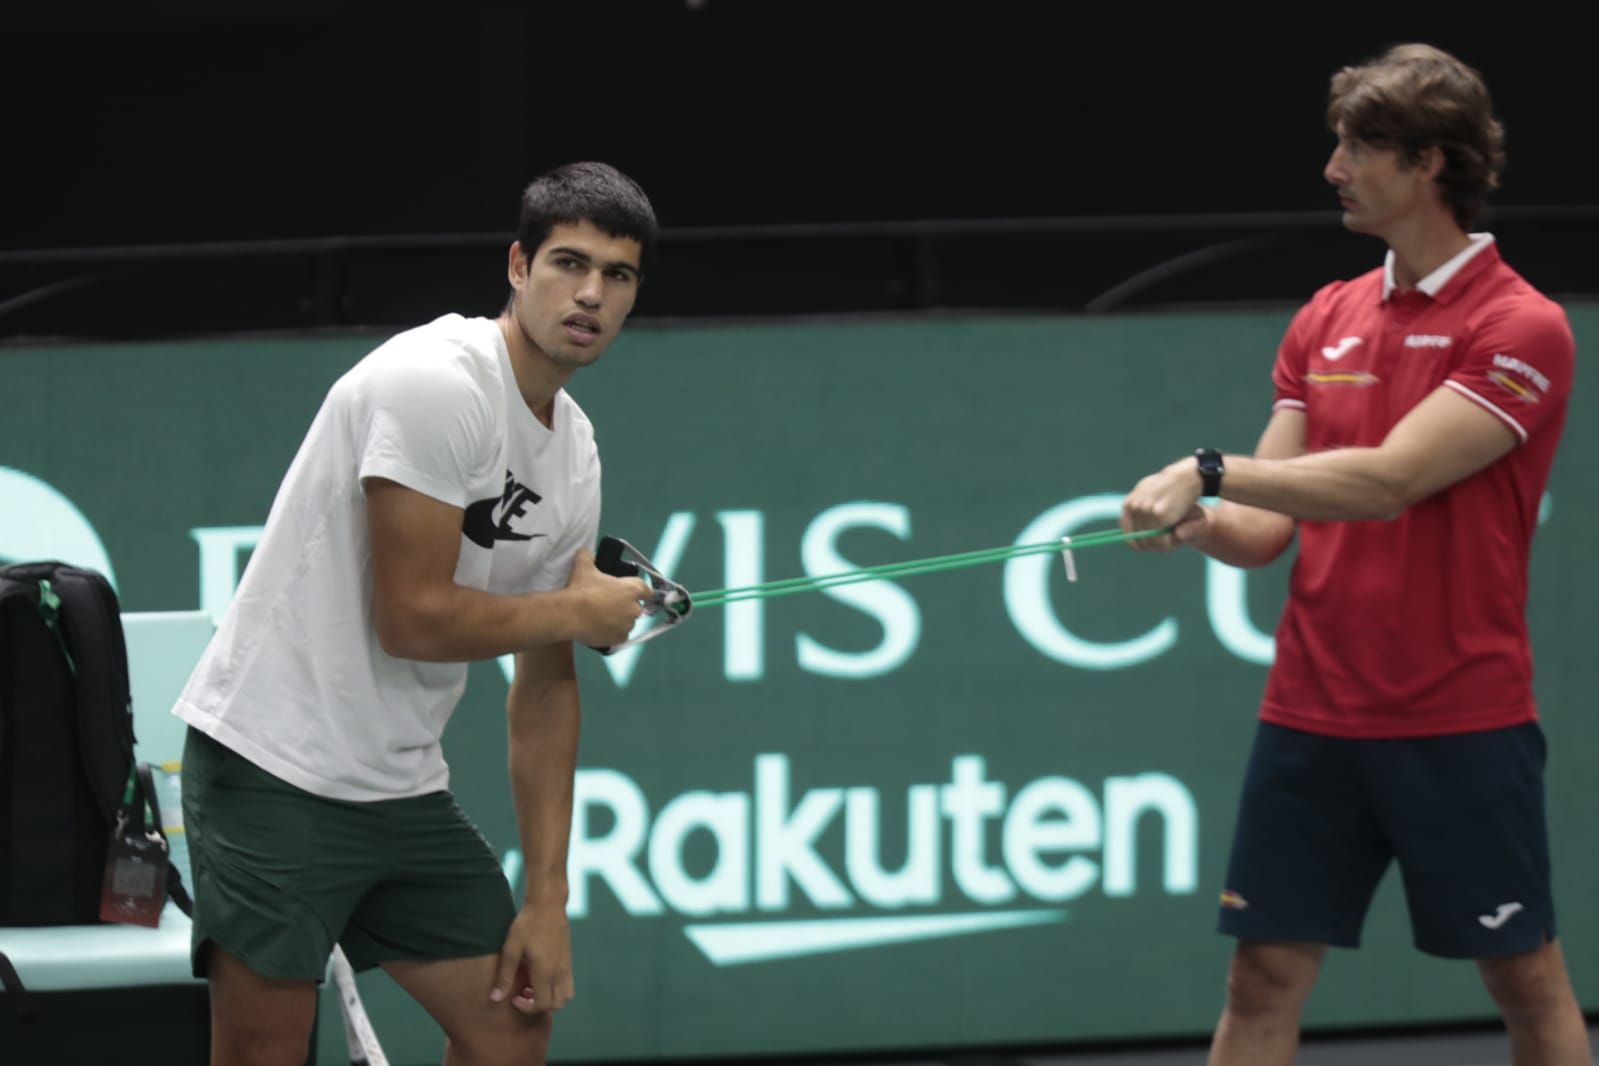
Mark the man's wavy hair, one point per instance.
(586, 192)
(1414, 97)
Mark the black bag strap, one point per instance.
(50, 612)
(176, 892)
(175, 889)
(25, 1009)
(90, 621)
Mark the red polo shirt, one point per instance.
(1417, 626)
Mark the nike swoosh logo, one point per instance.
(1500, 916)
(731, 945)
(1336, 352)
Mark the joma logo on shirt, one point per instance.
(490, 520)
(1337, 351)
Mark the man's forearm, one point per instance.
(1439, 442)
(1345, 485)
(1243, 536)
(545, 721)
(453, 623)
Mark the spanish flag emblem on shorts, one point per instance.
(1233, 901)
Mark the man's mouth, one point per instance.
(583, 329)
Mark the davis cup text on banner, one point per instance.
(892, 605)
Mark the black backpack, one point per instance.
(66, 744)
(66, 740)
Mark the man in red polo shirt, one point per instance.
(1417, 412)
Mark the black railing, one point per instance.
(1084, 264)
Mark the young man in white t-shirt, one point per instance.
(439, 512)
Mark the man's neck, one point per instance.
(537, 378)
(1422, 244)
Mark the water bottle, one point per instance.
(169, 790)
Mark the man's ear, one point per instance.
(1431, 161)
(516, 266)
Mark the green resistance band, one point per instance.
(790, 586)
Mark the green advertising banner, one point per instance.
(987, 806)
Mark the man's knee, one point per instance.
(258, 1021)
(1271, 979)
(255, 1046)
(1528, 986)
(522, 1040)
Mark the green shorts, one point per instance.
(281, 874)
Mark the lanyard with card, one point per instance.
(135, 886)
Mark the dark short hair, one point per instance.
(586, 192)
(1414, 97)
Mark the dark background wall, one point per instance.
(285, 120)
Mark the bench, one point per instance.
(123, 987)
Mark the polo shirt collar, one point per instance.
(1434, 282)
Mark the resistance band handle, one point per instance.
(608, 560)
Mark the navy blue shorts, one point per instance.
(1321, 817)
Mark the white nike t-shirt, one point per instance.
(294, 679)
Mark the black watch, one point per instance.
(1210, 470)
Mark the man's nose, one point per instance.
(592, 291)
(1336, 172)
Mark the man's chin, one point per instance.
(573, 357)
(1361, 222)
